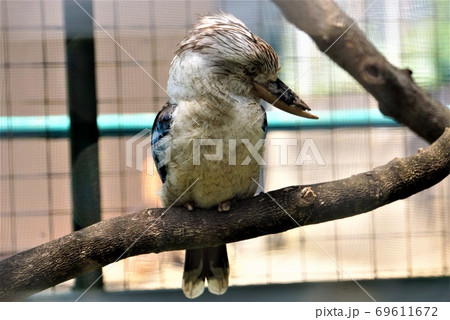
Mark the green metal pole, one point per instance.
(84, 132)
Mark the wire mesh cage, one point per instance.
(134, 45)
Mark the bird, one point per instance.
(200, 138)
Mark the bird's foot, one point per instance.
(193, 284)
(218, 286)
(224, 206)
(189, 206)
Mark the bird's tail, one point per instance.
(206, 263)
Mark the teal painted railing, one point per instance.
(57, 126)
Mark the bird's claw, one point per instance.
(224, 206)
(189, 206)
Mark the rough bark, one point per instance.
(337, 35)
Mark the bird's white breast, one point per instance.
(226, 175)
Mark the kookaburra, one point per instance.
(216, 80)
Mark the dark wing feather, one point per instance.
(265, 128)
(264, 124)
(161, 127)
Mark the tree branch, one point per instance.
(157, 230)
(398, 95)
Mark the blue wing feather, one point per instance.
(161, 128)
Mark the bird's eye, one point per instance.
(252, 70)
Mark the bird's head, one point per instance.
(222, 59)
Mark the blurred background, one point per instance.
(134, 43)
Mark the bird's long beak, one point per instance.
(279, 94)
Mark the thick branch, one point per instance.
(157, 230)
(398, 95)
